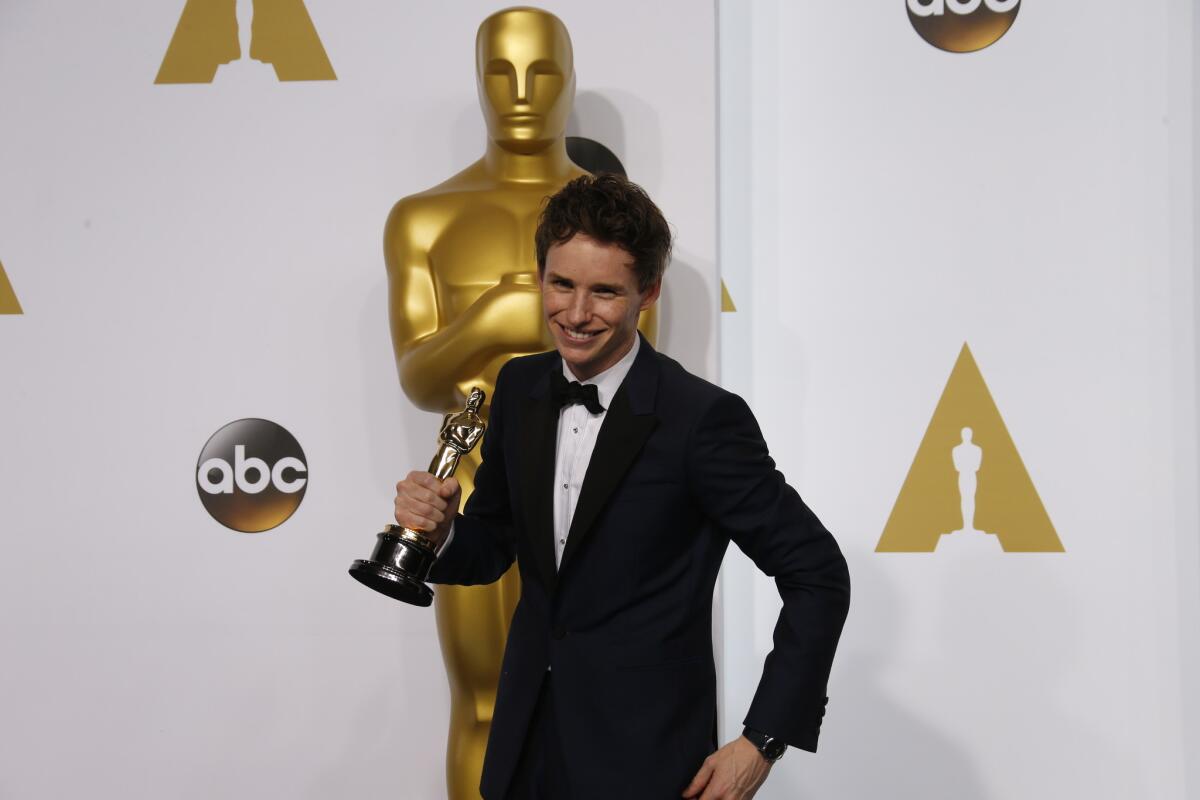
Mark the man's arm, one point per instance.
(734, 480)
(483, 546)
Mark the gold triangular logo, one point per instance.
(282, 34)
(726, 300)
(967, 482)
(8, 298)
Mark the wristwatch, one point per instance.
(772, 749)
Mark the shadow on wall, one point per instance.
(1003, 693)
(872, 745)
(687, 313)
(607, 118)
(595, 117)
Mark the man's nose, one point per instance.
(580, 309)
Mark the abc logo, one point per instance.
(962, 26)
(251, 475)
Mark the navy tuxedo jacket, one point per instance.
(679, 469)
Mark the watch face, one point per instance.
(771, 749)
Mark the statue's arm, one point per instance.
(433, 355)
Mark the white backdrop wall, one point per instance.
(882, 202)
(188, 255)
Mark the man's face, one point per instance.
(525, 77)
(591, 300)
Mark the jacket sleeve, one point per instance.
(483, 546)
(735, 482)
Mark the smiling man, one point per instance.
(594, 289)
(617, 479)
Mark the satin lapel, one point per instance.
(539, 430)
(627, 424)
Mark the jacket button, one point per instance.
(559, 632)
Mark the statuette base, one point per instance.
(397, 568)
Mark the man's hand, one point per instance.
(732, 773)
(423, 503)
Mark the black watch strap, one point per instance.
(772, 749)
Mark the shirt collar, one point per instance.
(608, 381)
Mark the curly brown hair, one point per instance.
(612, 210)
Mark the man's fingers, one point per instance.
(423, 510)
(424, 486)
(423, 502)
(419, 494)
(424, 497)
(424, 479)
(700, 781)
(414, 518)
(406, 519)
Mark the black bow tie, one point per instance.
(568, 393)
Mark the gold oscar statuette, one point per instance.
(464, 299)
(400, 563)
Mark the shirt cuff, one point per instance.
(449, 539)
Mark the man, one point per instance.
(616, 480)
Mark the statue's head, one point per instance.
(526, 78)
(967, 433)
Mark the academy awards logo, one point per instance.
(967, 486)
(8, 298)
(243, 39)
(251, 475)
(962, 26)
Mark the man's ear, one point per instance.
(652, 295)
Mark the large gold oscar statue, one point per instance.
(464, 299)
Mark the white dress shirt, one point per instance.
(577, 432)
